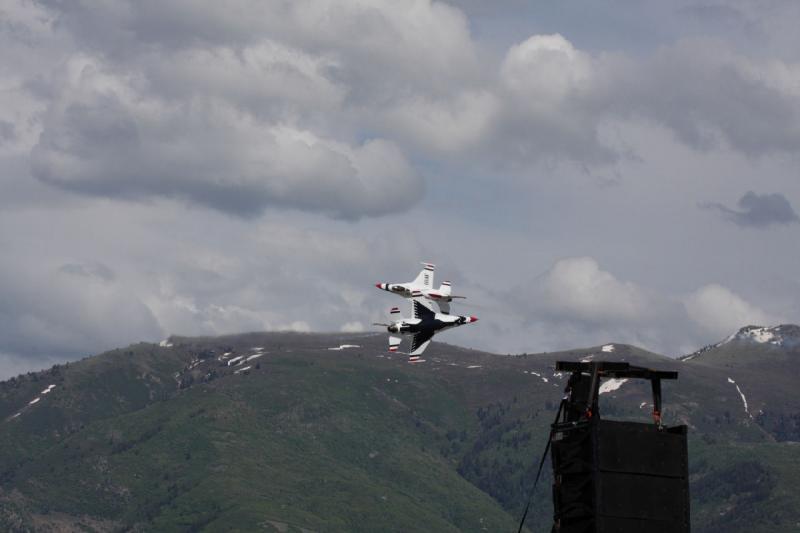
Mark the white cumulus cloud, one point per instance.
(720, 311)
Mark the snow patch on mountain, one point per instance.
(744, 400)
(611, 385)
(759, 334)
(785, 336)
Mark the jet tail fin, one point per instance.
(425, 278)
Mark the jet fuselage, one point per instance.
(408, 290)
(439, 322)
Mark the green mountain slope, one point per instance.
(187, 438)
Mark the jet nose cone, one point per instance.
(473, 319)
(378, 285)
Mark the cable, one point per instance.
(541, 464)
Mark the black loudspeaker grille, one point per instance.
(620, 477)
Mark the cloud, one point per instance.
(707, 94)
(123, 273)
(419, 41)
(105, 137)
(6, 132)
(578, 289)
(67, 312)
(719, 311)
(242, 110)
(758, 210)
(559, 99)
(577, 303)
(352, 327)
(547, 87)
(93, 270)
(339, 108)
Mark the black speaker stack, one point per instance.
(614, 476)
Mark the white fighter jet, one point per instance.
(421, 327)
(422, 287)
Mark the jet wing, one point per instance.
(420, 341)
(444, 307)
(422, 309)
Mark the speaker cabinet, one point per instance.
(620, 477)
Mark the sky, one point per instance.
(584, 172)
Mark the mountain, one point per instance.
(761, 362)
(326, 432)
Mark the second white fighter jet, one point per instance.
(421, 327)
(422, 287)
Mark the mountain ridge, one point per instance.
(178, 437)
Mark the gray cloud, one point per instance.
(103, 137)
(92, 270)
(577, 302)
(245, 113)
(716, 14)
(758, 210)
(7, 132)
(296, 104)
(46, 313)
(707, 94)
(552, 101)
(700, 89)
(148, 271)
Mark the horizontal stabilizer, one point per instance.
(445, 289)
(394, 342)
